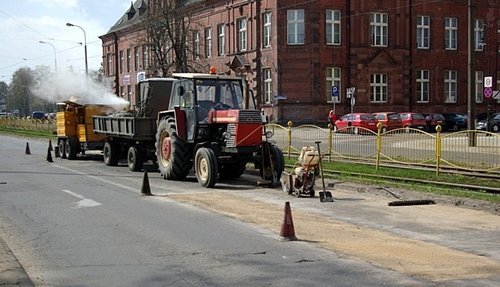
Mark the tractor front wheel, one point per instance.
(206, 167)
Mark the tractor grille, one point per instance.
(231, 142)
(250, 116)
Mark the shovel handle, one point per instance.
(321, 165)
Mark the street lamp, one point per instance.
(55, 57)
(85, 45)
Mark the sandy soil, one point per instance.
(380, 248)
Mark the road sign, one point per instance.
(335, 91)
(488, 82)
(496, 95)
(488, 92)
(350, 92)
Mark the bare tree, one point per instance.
(19, 96)
(167, 33)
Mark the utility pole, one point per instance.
(471, 76)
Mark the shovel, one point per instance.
(324, 196)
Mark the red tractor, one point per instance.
(208, 125)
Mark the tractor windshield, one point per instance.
(223, 94)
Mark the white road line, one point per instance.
(84, 202)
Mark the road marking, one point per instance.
(84, 202)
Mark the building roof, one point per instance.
(131, 17)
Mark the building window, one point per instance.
(378, 88)
(196, 45)
(450, 33)
(208, 43)
(295, 27)
(333, 27)
(129, 58)
(423, 86)
(136, 58)
(268, 85)
(121, 62)
(479, 35)
(129, 92)
(221, 39)
(145, 58)
(333, 78)
(266, 42)
(479, 86)
(450, 86)
(423, 32)
(378, 29)
(242, 34)
(109, 56)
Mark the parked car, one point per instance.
(491, 123)
(356, 120)
(389, 120)
(38, 115)
(432, 120)
(454, 121)
(412, 120)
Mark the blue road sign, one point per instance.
(335, 91)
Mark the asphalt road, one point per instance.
(81, 223)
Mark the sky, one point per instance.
(24, 23)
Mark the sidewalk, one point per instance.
(11, 273)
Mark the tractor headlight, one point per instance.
(269, 134)
(226, 135)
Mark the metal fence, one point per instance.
(472, 150)
(29, 124)
(402, 146)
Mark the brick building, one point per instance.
(399, 55)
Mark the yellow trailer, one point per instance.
(75, 132)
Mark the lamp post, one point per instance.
(55, 56)
(85, 46)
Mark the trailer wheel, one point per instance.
(135, 159)
(72, 148)
(110, 153)
(172, 153)
(206, 167)
(62, 149)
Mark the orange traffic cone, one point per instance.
(287, 231)
(50, 145)
(27, 151)
(49, 155)
(145, 189)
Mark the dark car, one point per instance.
(491, 123)
(454, 121)
(432, 120)
(38, 115)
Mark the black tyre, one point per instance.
(278, 161)
(172, 153)
(495, 128)
(110, 153)
(232, 170)
(72, 148)
(206, 167)
(135, 158)
(62, 149)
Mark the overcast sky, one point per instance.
(24, 23)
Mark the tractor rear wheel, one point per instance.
(172, 153)
(110, 153)
(278, 161)
(135, 159)
(206, 167)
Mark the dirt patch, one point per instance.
(408, 256)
